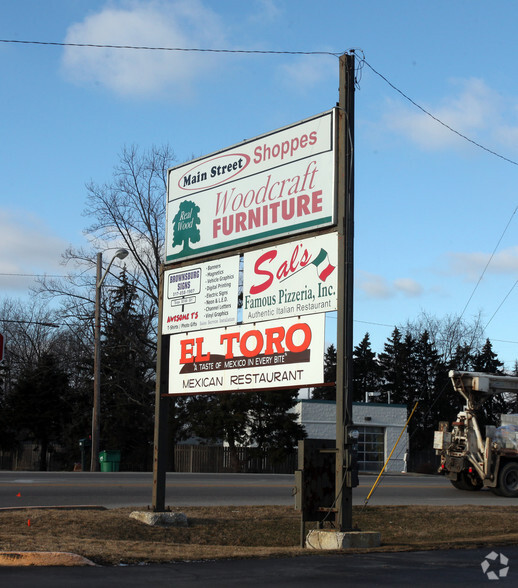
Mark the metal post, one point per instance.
(344, 347)
(162, 406)
(94, 464)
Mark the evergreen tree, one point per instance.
(462, 358)
(249, 419)
(396, 368)
(366, 370)
(127, 379)
(273, 426)
(327, 392)
(220, 417)
(487, 361)
(37, 404)
(431, 388)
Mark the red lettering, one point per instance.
(290, 344)
(240, 221)
(228, 338)
(251, 342)
(187, 348)
(187, 351)
(284, 271)
(258, 343)
(199, 352)
(268, 256)
(302, 204)
(316, 202)
(274, 338)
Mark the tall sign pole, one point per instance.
(162, 404)
(344, 348)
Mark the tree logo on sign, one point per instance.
(185, 227)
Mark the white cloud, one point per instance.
(155, 23)
(475, 110)
(471, 265)
(28, 248)
(307, 71)
(374, 286)
(408, 287)
(378, 287)
(266, 11)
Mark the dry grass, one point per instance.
(111, 537)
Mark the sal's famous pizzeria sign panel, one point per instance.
(275, 185)
(270, 354)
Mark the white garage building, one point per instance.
(379, 426)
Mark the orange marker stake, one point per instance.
(29, 523)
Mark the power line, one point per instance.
(481, 147)
(501, 304)
(33, 275)
(180, 49)
(487, 265)
(362, 62)
(437, 119)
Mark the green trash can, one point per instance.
(110, 460)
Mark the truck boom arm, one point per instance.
(477, 387)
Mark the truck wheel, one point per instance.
(508, 480)
(466, 482)
(459, 484)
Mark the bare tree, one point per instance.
(128, 211)
(448, 333)
(29, 330)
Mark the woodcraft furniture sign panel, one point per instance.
(201, 296)
(292, 279)
(270, 354)
(278, 184)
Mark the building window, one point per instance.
(371, 449)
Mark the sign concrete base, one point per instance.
(161, 519)
(330, 539)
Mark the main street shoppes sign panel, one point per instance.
(278, 184)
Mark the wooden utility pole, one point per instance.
(344, 347)
(96, 414)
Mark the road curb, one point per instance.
(42, 558)
(69, 507)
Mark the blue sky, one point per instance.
(430, 206)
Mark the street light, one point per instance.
(120, 254)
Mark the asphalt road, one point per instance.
(116, 489)
(424, 569)
(444, 568)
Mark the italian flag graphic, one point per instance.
(324, 267)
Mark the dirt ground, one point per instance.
(111, 537)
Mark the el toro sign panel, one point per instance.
(277, 184)
(270, 354)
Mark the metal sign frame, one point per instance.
(343, 217)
